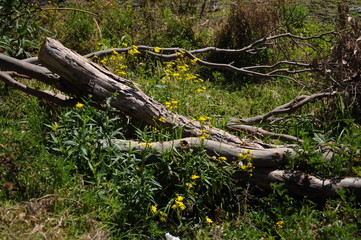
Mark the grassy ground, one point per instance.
(57, 183)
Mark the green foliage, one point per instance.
(18, 31)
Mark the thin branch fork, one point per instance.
(58, 99)
(291, 106)
(262, 132)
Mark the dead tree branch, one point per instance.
(261, 132)
(303, 184)
(58, 99)
(289, 67)
(263, 174)
(289, 107)
(261, 157)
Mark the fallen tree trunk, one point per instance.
(264, 161)
(86, 78)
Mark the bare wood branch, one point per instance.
(291, 106)
(37, 72)
(261, 132)
(49, 96)
(175, 52)
(303, 184)
(261, 157)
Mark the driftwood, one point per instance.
(79, 77)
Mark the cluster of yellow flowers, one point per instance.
(162, 215)
(118, 61)
(246, 161)
(191, 184)
(172, 104)
(208, 220)
(280, 224)
(204, 134)
(179, 205)
(157, 49)
(179, 70)
(134, 50)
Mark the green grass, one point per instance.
(58, 182)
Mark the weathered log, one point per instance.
(86, 78)
(260, 157)
(303, 184)
(264, 160)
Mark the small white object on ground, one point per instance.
(168, 236)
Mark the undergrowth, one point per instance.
(61, 176)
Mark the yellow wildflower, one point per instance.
(195, 177)
(125, 45)
(114, 52)
(201, 118)
(280, 224)
(157, 49)
(162, 119)
(180, 198)
(190, 185)
(163, 216)
(222, 158)
(134, 50)
(176, 74)
(153, 209)
(195, 60)
(208, 220)
(79, 105)
(179, 204)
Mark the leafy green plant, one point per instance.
(18, 32)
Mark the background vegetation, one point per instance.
(58, 182)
